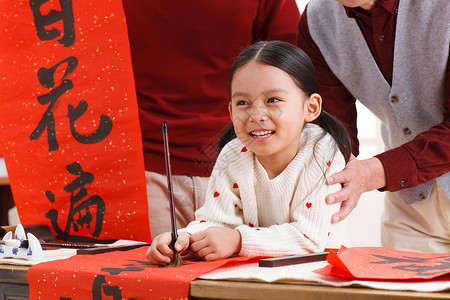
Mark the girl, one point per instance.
(266, 194)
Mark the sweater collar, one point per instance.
(390, 5)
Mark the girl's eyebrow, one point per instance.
(238, 94)
(264, 93)
(274, 91)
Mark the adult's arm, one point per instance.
(424, 158)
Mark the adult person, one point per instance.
(393, 56)
(182, 53)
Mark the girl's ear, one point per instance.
(230, 110)
(313, 107)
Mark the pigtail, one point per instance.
(335, 128)
(226, 136)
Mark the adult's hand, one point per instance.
(358, 176)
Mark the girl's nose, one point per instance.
(258, 114)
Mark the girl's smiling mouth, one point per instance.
(261, 133)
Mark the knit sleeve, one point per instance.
(310, 228)
(223, 206)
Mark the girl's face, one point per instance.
(268, 111)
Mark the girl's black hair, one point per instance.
(297, 64)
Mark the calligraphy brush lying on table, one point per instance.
(176, 261)
(82, 248)
(24, 244)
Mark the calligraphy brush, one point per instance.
(176, 261)
(25, 244)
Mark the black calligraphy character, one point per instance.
(97, 292)
(126, 268)
(43, 21)
(423, 266)
(109, 290)
(76, 208)
(46, 78)
(103, 130)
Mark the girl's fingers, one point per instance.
(164, 249)
(159, 251)
(182, 242)
(198, 245)
(198, 241)
(210, 256)
(204, 252)
(156, 257)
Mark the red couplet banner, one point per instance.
(119, 275)
(69, 124)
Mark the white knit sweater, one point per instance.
(286, 215)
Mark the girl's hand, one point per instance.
(160, 250)
(216, 243)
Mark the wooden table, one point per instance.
(4, 181)
(14, 285)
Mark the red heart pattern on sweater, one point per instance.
(308, 205)
(235, 186)
(216, 194)
(244, 149)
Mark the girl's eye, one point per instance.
(273, 100)
(241, 102)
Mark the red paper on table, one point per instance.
(69, 124)
(121, 274)
(379, 263)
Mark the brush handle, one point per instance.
(25, 244)
(169, 184)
